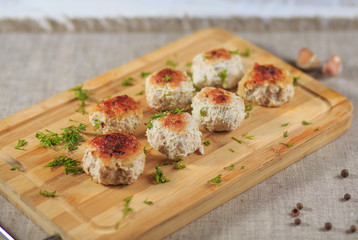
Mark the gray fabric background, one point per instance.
(34, 67)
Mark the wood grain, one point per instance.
(85, 210)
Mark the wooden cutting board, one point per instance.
(86, 210)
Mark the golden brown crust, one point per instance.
(220, 53)
(217, 95)
(168, 76)
(118, 106)
(174, 121)
(114, 145)
(265, 74)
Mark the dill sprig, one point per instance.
(222, 75)
(97, 124)
(126, 210)
(285, 134)
(295, 80)
(158, 175)
(144, 74)
(216, 180)
(171, 63)
(148, 202)
(203, 111)
(179, 165)
(248, 108)
(306, 123)
(237, 140)
(20, 144)
(14, 168)
(206, 142)
(234, 51)
(231, 167)
(162, 114)
(127, 81)
(47, 193)
(286, 144)
(250, 137)
(285, 124)
(70, 137)
(246, 53)
(70, 165)
(81, 94)
(140, 93)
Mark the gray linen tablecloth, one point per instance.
(34, 67)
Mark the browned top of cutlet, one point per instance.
(262, 74)
(220, 53)
(174, 121)
(168, 76)
(117, 145)
(218, 96)
(117, 106)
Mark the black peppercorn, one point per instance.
(344, 173)
(299, 205)
(328, 226)
(353, 228)
(295, 212)
(297, 221)
(347, 196)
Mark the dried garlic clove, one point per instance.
(307, 60)
(333, 66)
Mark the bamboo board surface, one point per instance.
(85, 210)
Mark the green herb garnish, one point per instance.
(306, 123)
(148, 202)
(234, 52)
(104, 99)
(246, 53)
(47, 193)
(70, 137)
(222, 75)
(243, 166)
(48, 139)
(144, 74)
(316, 130)
(206, 142)
(127, 81)
(126, 210)
(205, 78)
(202, 111)
(231, 167)
(188, 64)
(216, 180)
(81, 110)
(14, 168)
(286, 144)
(97, 124)
(140, 93)
(166, 78)
(237, 140)
(248, 137)
(171, 63)
(81, 94)
(179, 165)
(145, 148)
(248, 108)
(295, 81)
(70, 165)
(158, 176)
(285, 134)
(20, 144)
(285, 124)
(161, 114)
(231, 150)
